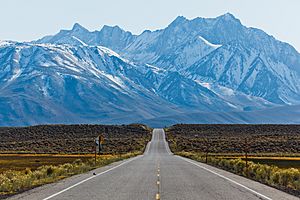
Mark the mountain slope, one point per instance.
(111, 37)
(67, 84)
(249, 71)
(153, 47)
(213, 66)
(249, 60)
(47, 83)
(276, 115)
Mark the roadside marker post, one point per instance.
(106, 135)
(246, 154)
(96, 144)
(207, 150)
(101, 142)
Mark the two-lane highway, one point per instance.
(156, 175)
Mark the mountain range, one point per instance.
(204, 70)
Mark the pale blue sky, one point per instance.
(23, 20)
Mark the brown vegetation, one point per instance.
(12, 181)
(275, 139)
(36, 155)
(33, 161)
(73, 138)
(225, 146)
(284, 179)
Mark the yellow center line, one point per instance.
(157, 197)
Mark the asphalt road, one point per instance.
(156, 174)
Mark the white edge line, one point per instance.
(68, 188)
(226, 178)
(166, 144)
(147, 148)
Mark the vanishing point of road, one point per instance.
(158, 174)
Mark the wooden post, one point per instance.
(95, 152)
(246, 160)
(106, 137)
(246, 152)
(106, 133)
(207, 150)
(246, 155)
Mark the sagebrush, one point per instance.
(286, 179)
(12, 181)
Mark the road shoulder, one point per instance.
(260, 188)
(44, 191)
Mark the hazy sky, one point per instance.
(23, 20)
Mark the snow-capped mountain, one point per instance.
(249, 71)
(154, 46)
(45, 83)
(111, 37)
(203, 65)
(65, 84)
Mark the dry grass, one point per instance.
(14, 181)
(273, 150)
(33, 161)
(277, 145)
(33, 156)
(284, 179)
(269, 159)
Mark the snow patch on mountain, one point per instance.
(155, 69)
(209, 43)
(16, 73)
(80, 41)
(204, 84)
(110, 52)
(5, 43)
